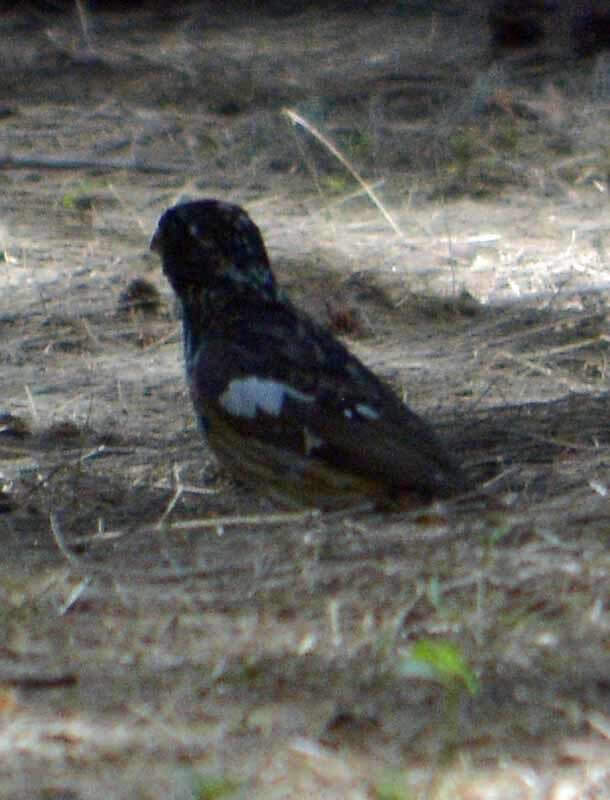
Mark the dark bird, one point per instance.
(282, 402)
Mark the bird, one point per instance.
(284, 404)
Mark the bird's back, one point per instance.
(267, 377)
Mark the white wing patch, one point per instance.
(366, 411)
(363, 410)
(244, 397)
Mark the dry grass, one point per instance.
(165, 634)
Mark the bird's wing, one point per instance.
(299, 389)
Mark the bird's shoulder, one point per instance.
(261, 343)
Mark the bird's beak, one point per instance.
(155, 242)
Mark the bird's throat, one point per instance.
(194, 325)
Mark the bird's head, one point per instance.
(205, 243)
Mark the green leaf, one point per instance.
(215, 787)
(441, 661)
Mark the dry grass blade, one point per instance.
(62, 546)
(297, 119)
(163, 575)
(245, 519)
(84, 22)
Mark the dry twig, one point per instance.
(85, 161)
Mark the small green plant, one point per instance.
(505, 137)
(359, 145)
(444, 663)
(498, 530)
(216, 787)
(81, 197)
(392, 786)
(336, 183)
(464, 146)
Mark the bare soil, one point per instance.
(153, 642)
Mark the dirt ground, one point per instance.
(165, 634)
